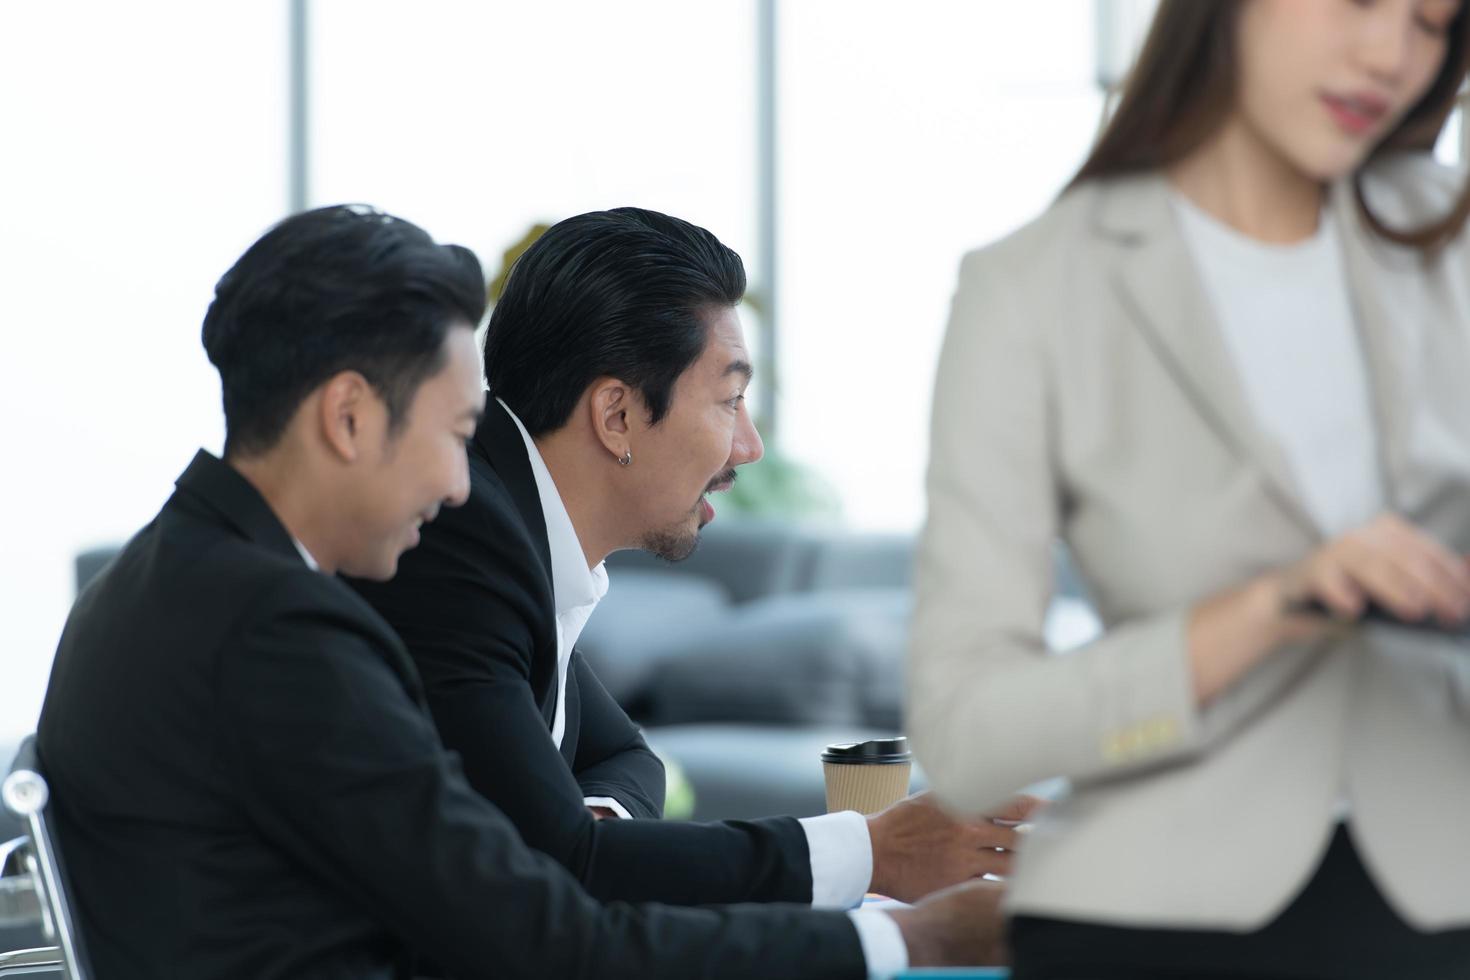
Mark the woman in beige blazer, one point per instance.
(1258, 790)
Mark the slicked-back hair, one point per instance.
(623, 294)
(339, 288)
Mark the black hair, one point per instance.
(618, 294)
(334, 289)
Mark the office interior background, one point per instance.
(850, 150)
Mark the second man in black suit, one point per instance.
(617, 370)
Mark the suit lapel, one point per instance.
(500, 442)
(1161, 291)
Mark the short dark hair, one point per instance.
(334, 289)
(619, 294)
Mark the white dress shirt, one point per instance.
(311, 562)
(840, 847)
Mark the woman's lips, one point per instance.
(1355, 114)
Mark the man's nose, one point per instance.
(459, 490)
(747, 447)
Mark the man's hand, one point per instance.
(918, 849)
(604, 813)
(961, 926)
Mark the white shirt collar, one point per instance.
(305, 555)
(573, 583)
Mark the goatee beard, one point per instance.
(671, 543)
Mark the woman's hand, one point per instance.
(1388, 562)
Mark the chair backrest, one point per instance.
(26, 794)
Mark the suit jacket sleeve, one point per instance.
(466, 604)
(342, 770)
(989, 710)
(612, 757)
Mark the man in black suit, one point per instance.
(617, 370)
(246, 780)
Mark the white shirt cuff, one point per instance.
(884, 950)
(610, 803)
(842, 858)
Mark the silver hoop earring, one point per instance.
(626, 458)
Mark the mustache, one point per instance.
(726, 479)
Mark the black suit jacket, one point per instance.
(246, 784)
(474, 604)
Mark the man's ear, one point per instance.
(609, 402)
(342, 404)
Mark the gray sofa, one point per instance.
(765, 623)
(743, 661)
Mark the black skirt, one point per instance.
(1339, 928)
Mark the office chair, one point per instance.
(37, 887)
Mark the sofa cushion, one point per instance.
(647, 618)
(849, 560)
(833, 658)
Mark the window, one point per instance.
(144, 152)
(907, 139)
(477, 120)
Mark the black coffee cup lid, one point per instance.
(873, 752)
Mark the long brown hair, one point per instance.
(1183, 85)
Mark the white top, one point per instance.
(840, 848)
(1288, 322)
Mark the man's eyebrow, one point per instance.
(740, 367)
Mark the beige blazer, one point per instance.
(1085, 393)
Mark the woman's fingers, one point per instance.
(1396, 566)
(1335, 587)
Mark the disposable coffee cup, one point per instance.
(867, 776)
